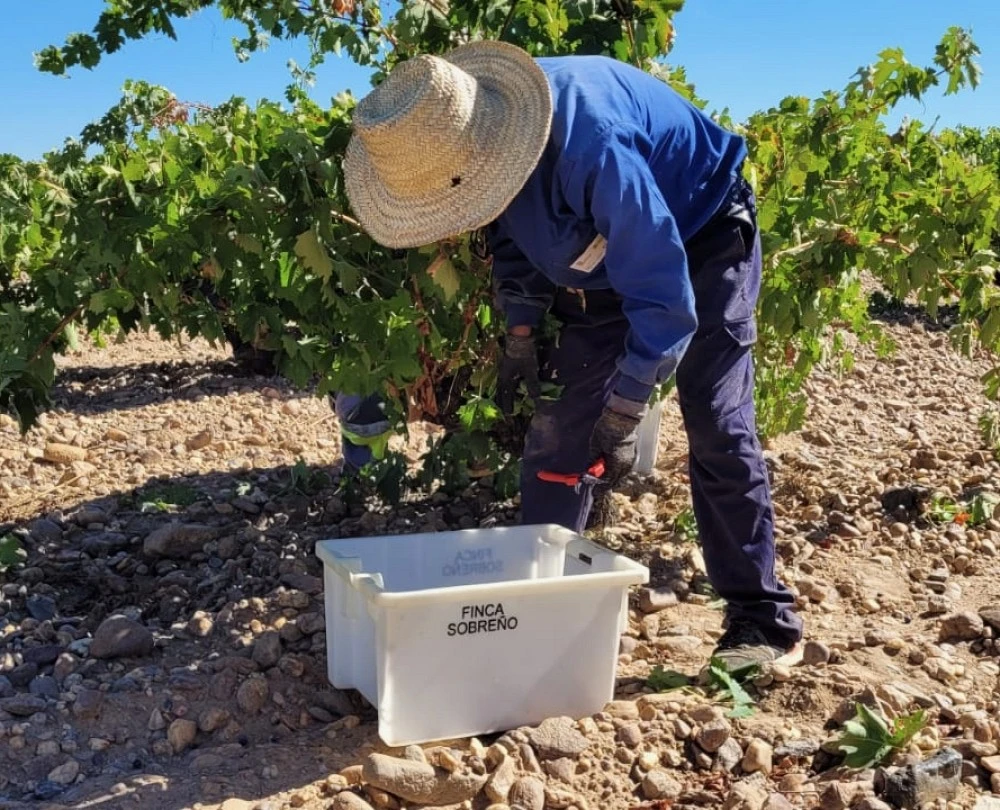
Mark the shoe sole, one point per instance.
(792, 657)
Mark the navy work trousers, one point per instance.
(730, 490)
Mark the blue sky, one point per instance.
(745, 56)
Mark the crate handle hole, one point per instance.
(584, 558)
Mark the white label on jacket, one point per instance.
(592, 256)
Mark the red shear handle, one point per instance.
(572, 479)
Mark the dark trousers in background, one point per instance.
(730, 490)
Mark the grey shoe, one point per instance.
(744, 646)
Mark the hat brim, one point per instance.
(509, 151)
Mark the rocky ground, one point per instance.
(162, 645)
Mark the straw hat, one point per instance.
(444, 144)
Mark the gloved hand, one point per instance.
(519, 362)
(614, 439)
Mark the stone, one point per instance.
(729, 755)
(630, 734)
(712, 735)
(815, 653)
(6, 687)
(181, 734)
(498, 787)
(21, 676)
(66, 773)
(676, 646)
(63, 454)
(177, 540)
(42, 655)
(653, 600)
(252, 695)
(88, 704)
(623, 709)
(871, 803)
(759, 756)
(200, 625)
(419, 782)
(41, 607)
(842, 795)
(22, 705)
(992, 764)
(44, 686)
(199, 441)
(991, 616)
(557, 737)
(44, 530)
(962, 626)
(121, 637)
(776, 801)
(267, 650)
(528, 793)
(212, 719)
(345, 800)
(661, 785)
(745, 796)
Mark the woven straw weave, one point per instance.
(443, 145)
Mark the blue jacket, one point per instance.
(631, 171)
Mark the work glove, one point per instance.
(519, 362)
(614, 439)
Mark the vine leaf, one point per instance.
(445, 276)
(312, 254)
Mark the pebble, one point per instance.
(252, 695)
(660, 785)
(528, 793)
(653, 600)
(63, 454)
(503, 778)
(419, 782)
(200, 625)
(22, 705)
(66, 773)
(962, 626)
(267, 650)
(121, 637)
(88, 704)
(815, 653)
(181, 734)
(745, 796)
(712, 735)
(557, 737)
(42, 655)
(41, 607)
(759, 757)
(177, 540)
(345, 800)
(729, 755)
(212, 719)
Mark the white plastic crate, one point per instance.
(454, 634)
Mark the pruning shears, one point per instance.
(576, 480)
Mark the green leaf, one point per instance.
(312, 254)
(867, 740)
(11, 553)
(667, 680)
(722, 680)
(445, 276)
(117, 299)
(907, 727)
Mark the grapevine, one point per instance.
(231, 223)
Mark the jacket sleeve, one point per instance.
(646, 262)
(522, 293)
